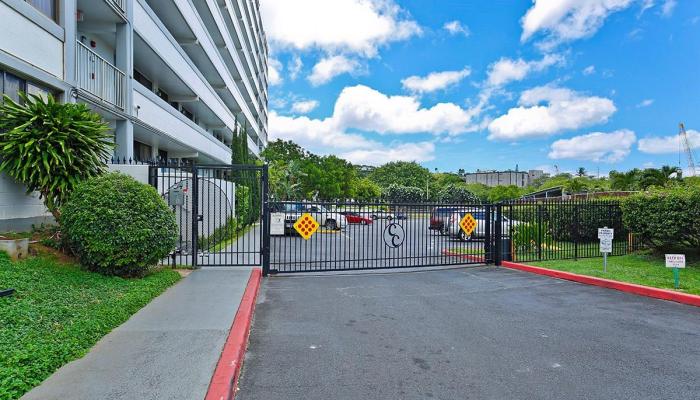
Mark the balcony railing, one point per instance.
(99, 77)
(119, 4)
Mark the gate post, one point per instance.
(265, 222)
(499, 235)
(195, 214)
(488, 239)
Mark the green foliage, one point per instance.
(502, 193)
(530, 236)
(366, 189)
(665, 220)
(116, 225)
(58, 313)
(457, 194)
(403, 194)
(51, 147)
(402, 173)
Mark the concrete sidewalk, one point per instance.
(168, 350)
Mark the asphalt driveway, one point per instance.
(474, 333)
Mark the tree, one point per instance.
(576, 185)
(51, 147)
(581, 172)
(401, 173)
(365, 189)
(403, 194)
(624, 180)
(653, 177)
(457, 194)
(502, 193)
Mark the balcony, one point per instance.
(99, 77)
(120, 5)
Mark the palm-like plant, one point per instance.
(50, 147)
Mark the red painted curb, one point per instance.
(225, 379)
(647, 291)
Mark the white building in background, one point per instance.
(174, 78)
(504, 178)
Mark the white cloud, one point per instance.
(294, 67)
(566, 20)
(348, 26)
(361, 108)
(304, 107)
(563, 109)
(434, 81)
(273, 72)
(597, 146)
(645, 103)
(419, 152)
(507, 70)
(589, 70)
(364, 108)
(330, 67)
(668, 7)
(456, 28)
(668, 144)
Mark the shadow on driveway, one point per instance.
(476, 333)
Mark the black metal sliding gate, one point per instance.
(377, 235)
(219, 211)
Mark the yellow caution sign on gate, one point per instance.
(468, 224)
(306, 225)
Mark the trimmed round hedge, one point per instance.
(116, 225)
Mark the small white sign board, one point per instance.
(606, 233)
(675, 260)
(606, 245)
(277, 224)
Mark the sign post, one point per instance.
(606, 238)
(675, 261)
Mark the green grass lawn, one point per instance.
(634, 268)
(58, 313)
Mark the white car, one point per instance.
(381, 215)
(454, 230)
(292, 211)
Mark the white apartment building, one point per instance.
(174, 78)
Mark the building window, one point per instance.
(142, 152)
(162, 94)
(12, 85)
(37, 90)
(46, 7)
(140, 78)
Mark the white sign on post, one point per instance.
(277, 224)
(606, 233)
(675, 260)
(606, 245)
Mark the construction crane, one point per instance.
(683, 141)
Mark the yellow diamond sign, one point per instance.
(306, 225)
(468, 224)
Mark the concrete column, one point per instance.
(124, 138)
(124, 56)
(67, 12)
(154, 151)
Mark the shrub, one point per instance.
(118, 226)
(530, 235)
(50, 147)
(403, 194)
(457, 194)
(665, 220)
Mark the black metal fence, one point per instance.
(564, 229)
(225, 218)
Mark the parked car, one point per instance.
(292, 212)
(356, 218)
(381, 215)
(454, 230)
(439, 217)
(400, 215)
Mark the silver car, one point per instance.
(454, 230)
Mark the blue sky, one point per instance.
(492, 84)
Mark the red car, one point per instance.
(355, 218)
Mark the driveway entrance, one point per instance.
(469, 333)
